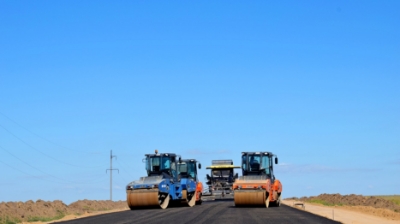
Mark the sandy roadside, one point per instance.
(71, 217)
(340, 214)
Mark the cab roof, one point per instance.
(222, 167)
(189, 160)
(161, 154)
(270, 154)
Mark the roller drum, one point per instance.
(251, 198)
(147, 198)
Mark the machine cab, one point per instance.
(223, 174)
(188, 169)
(258, 163)
(222, 171)
(161, 164)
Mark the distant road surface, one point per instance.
(210, 212)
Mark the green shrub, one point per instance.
(8, 220)
(319, 201)
(392, 198)
(60, 215)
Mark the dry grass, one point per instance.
(323, 202)
(393, 198)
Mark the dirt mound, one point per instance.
(380, 212)
(52, 210)
(352, 200)
(88, 206)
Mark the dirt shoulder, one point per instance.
(349, 208)
(71, 217)
(49, 211)
(344, 214)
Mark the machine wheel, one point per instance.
(164, 200)
(191, 200)
(189, 197)
(267, 201)
(199, 201)
(278, 202)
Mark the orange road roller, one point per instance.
(257, 186)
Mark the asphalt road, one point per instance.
(209, 212)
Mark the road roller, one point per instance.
(161, 185)
(257, 186)
(187, 176)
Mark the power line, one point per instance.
(125, 170)
(97, 180)
(28, 173)
(37, 150)
(76, 182)
(29, 164)
(26, 129)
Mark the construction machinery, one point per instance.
(187, 172)
(257, 186)
(161, 185)
(221, 179)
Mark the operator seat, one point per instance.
(183, 175)
(255, 167)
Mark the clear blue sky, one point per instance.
(315, 82)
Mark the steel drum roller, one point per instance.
(250, 198)
(142, 198)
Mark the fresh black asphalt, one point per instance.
(209, 212)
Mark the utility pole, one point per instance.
(111, 169)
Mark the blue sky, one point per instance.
(315, 82)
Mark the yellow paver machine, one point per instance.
(220, 180)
